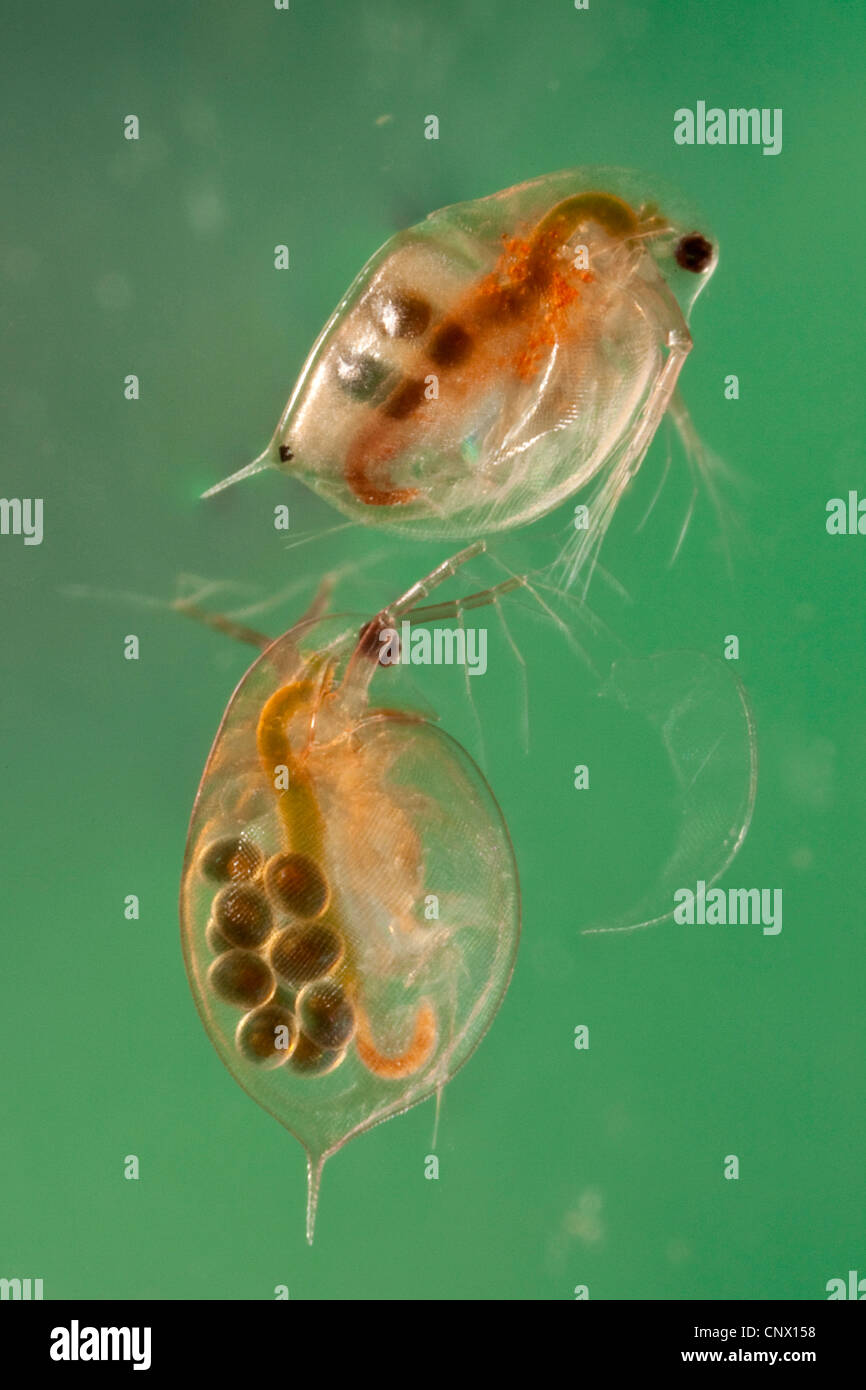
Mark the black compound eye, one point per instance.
(694, 252)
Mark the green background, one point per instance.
(558, 1167)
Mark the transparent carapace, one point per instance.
(496, 358)
(349, 904)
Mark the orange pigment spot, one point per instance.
(549, 328)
